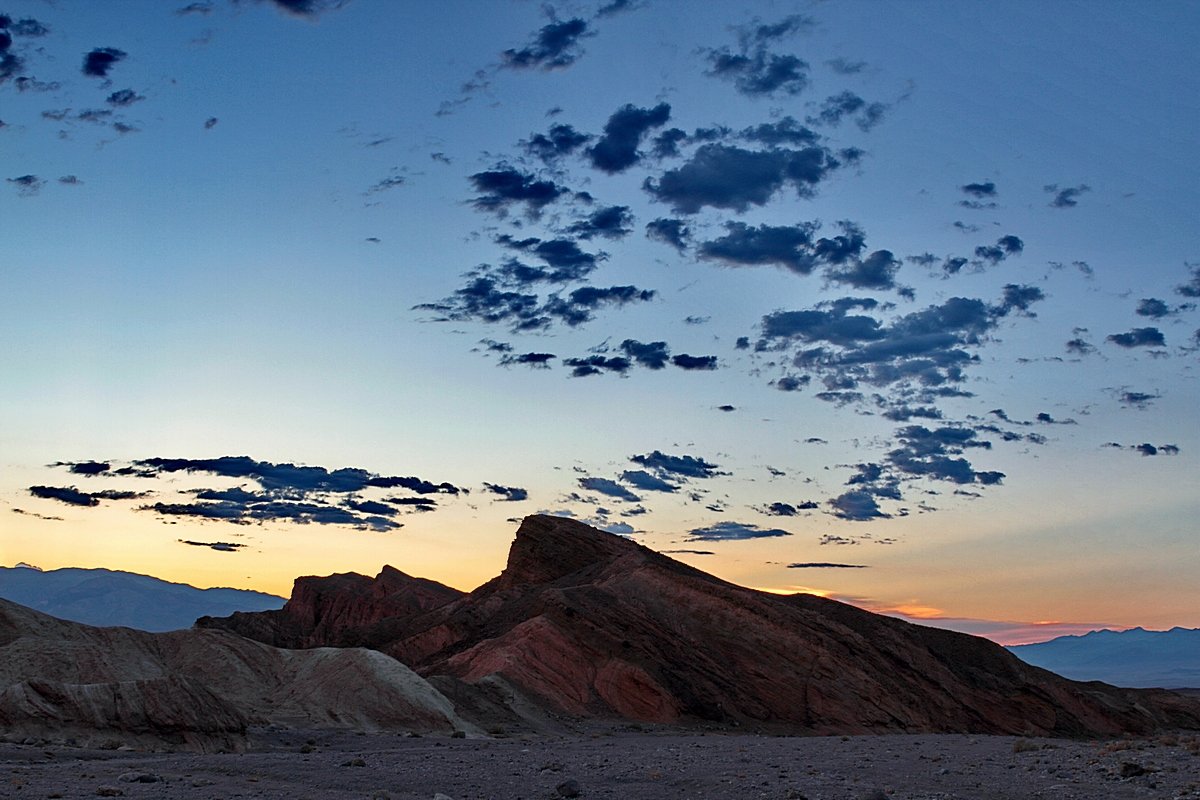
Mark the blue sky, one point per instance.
(895, 302)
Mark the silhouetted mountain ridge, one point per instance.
(104, 597)
(1135, 657)
(590, 624)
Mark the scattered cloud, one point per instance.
(98, 62)
(824, 565)
(554, 46)
(733, 531)
(680, 467)
(27, 185)
(1066, 196)
(510, 494)
(610, 488)
(1138, 337)
(617, 149)
(753, 69)
(735, 178)
(223, 547)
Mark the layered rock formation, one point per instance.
(198, 689)
(339, 610)
(592, 624)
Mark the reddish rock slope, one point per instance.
(592, 624)
(338, 610)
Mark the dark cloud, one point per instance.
(920, 356)
(286, 477)
(308, 8)
(1157, 309)
(726, 408)
(371, 507)
(640, 479)
(1066, 197)
(778, 509)
(648, 354)
(608, 487)
(597, 364)
(210, 123)
(300, 513)
(617, 150)
(503, 187)
(64, 494)
(856, 506)
(70, 180)
(26, 84)
(788, 246)
(690, 552)
(688, 362)
(1147, 449)
(610, 222)
(85, 467)
(383, 184)
(568, 262)
(614, 7)
(1004, 247)
(123, 97)
(671, 231)
(733, 531)
(928, 453)
(754, 70)
(848, 104)
(416, 503)
(98, 62)
(876, 271)
(554, 46)
(224, 547)
(684, 466)
(27, 185)
(1080, 347)
(27, 26)
(786, 131)
(824, 565)
(1138, 400)
(1192, 287)
(729, 177)
(511, 494)
(1138, 337)
(537, 360)
(560, 140)
(203, 8)
(1019, 298)
(980, 191)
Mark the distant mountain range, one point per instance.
(104, 598)
(1136, 658)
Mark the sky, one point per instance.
(892, 302)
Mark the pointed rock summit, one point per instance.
(590, 624)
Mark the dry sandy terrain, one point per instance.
(618, 763)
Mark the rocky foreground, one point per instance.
(621, 764)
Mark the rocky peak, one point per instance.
(548, 548)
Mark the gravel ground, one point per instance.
(618, 763)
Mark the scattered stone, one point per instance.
(874, 794)
(109, 791)
(569, 788)
(354, 762)
(458, 735)
(1131, 769)
(138, 777)
(440, 796)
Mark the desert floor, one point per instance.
(616, 763)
